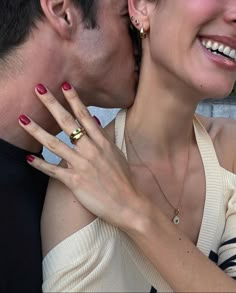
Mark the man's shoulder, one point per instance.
(223, 134)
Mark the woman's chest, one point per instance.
(173, 196)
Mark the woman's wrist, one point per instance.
(138, 218)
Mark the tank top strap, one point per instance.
(214, 188)
(205, 144)
(120, 131)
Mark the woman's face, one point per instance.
(195, 41)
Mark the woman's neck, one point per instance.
(161, 118)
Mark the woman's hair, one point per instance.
(18, 17)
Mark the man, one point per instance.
(85, 42)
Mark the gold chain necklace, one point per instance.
(176, 218)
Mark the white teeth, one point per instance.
(215, 46)
(221, 48)
(227, 51)
(232, 54)
(218, 47)
(208, 44)
(204, 42)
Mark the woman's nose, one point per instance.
(230, 13)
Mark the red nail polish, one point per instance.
(30, 158)
(24, 120)
(41, 89)
(97, 120)
(66, 86)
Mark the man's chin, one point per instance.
(123, 99)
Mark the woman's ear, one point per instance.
(139, 11)
(62, 16)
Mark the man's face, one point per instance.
(103, 64)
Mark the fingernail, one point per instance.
(24, 120)
(30, 158)
(97, 120)
(66, 86)
(41, 89)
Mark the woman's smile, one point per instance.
(220, 50)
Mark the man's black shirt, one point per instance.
(22, 190)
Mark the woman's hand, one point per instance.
(97, 173)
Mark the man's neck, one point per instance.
(16, 101)
(17, 96)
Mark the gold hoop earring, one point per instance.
(143, 34)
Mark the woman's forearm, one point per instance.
(179, 261)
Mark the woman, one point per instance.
(176, 198)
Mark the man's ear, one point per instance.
(62, 16)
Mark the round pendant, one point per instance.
(176, 220)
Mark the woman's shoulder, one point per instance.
(223, 134)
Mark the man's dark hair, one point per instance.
(18, 17)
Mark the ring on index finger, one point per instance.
(77, 134)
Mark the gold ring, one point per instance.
(77, 134)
